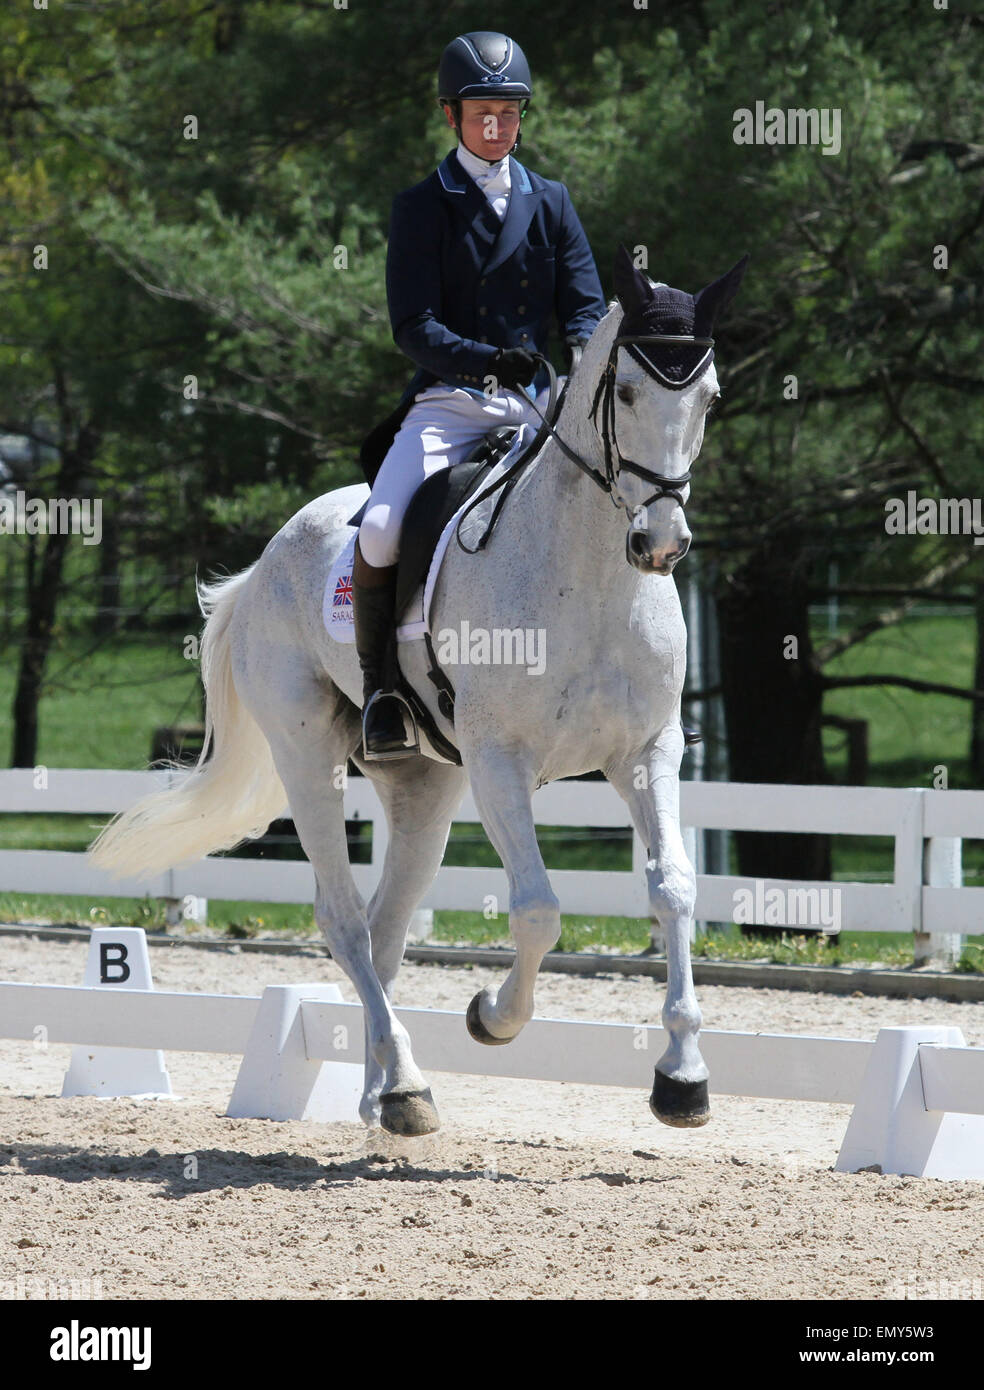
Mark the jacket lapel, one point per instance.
(481, 227)
(492, 241)
(524, 200)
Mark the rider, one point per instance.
(481, 256)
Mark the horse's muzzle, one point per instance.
(639, 553)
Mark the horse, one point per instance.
(583, 556)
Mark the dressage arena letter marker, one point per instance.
(117, 958)
(112, 957)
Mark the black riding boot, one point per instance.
(385, 734)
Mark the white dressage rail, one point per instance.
(918, 1091)
(925, 896)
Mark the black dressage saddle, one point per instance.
(434, 504)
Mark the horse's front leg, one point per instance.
(650, 785)
(502, 786)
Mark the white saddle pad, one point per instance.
(337, 608)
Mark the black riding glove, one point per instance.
(514, 367)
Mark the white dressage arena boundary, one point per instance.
(918, 1093)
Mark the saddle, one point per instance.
(431, 508)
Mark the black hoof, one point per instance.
(682, 1104)
(409, 1112)
(478, 1030)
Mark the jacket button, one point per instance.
(483, 339)
(483, 281)
(483, 310)
(523, 284)
(524, 336)
(521, 309)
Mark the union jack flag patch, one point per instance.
(343, 592)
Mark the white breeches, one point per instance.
(440, 429)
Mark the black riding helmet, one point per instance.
(483, 64)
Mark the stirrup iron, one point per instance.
(413, 746)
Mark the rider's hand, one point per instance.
(572, 341)
(514, 367)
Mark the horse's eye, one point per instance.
(625, 393)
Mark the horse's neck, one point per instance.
(568, 522)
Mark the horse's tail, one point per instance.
(232, 793)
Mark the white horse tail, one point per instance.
(232, 793)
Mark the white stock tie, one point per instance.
(492, 179)
(495, 186)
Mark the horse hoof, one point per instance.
(478, 1030)
(369, 1114)
(409, 1112)
(682, 1104)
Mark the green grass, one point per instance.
(103, 707)
(629, 936)
(245, 919)
(618, 935)
(909, 734)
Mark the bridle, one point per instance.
(604, 397)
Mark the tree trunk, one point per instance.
(44, 591)
(977, 708)
(107, 620)
(773, 702)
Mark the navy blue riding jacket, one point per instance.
(460, 284)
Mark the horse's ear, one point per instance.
(631, 286)
(712, 301)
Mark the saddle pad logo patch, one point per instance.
(338, 607)
(340, 614)
(338, 603)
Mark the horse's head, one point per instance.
(651, 402)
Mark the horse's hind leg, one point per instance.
(312, 729)
(502, 787)
(419, 798)
(679, 1095)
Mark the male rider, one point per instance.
(483, 254)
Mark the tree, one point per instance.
(216, 181)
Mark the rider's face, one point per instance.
(488, 128)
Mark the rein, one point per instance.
(604, 397)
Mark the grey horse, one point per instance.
(582, 557)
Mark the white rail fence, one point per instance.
(925, 897)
